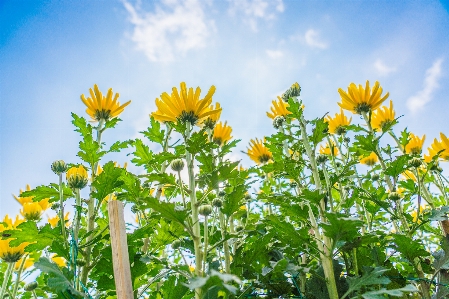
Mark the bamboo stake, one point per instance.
(120, 258)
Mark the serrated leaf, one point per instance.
(366, 142)
(51, 191)
(371, 276)
(38, 239)
(90, 150)
(409, 248)
(167, 210)
(111, 123)
(107, 181)
(81, 125)
(320, 131)
(154, 132)
(398, 166)
(395, 292)
(341, 227)
(143, 155)
(119, 145)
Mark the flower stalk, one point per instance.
(6, 279)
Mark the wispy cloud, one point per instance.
(174, 28)
(382, 69)
(256, 9)
(420, 99)
(274, 54)
(312, 38)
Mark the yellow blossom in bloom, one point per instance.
(109, 197)
(101, 107)
(185, 106)
(28, 263)
(258, 152)
(23, 200)
(370, 160)
(407, 174)
(440, 146)
(60, 261)
(211, 120)
(327, 150)
(278, 108)
(77, 177)
(337, 124)
(414, 213)
(11, 254)
(382, 117)
(243, 208)
(31, 211)
(414, 146)
(361, 100)
(10, 224)
(55, 220)
(222, 133)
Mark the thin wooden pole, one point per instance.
(119, 244)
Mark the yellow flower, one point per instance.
(192, 268)
(11, 254)
(212, 119)
(10, 224)
(278, 108)
(28, 263)
(438, 146)
(222, 133)
(31, 211)
(415, 213)
(361, 100)
(185, 106)
(327, 150)
(77, 177)
(407, 174)
(414, 146)
(60, 261)
(109, 197)
(55, 220)
(382, 117)
(370, 160)
(258, 152)
(100, 107)
(337, 124)
(23, 200)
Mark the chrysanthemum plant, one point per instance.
(331, 210)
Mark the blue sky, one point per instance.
(251, 50)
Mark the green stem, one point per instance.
(6, 279)
(61, 209)
(329, 187)
(206, 240)
(284, 142)
(34, 294)
(227, 254)
(354, 262)
(19, 273)
(78, 214)
(181, 187)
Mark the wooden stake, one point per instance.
(119, 244)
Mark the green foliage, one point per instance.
(51, 191)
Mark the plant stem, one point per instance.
(61, 209)
(6, 279)
(181, 188)
(227, 254)
(19, 273)
(206, 240)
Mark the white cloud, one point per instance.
(274, 54)
(174, 28)
(256, 9)
(312, 39)
(382, 69)
(420, 99)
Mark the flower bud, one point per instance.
(58, 167)
(394, 196)
(293, 92)
(177, 165)
(375, 177)
(176, 244)
(221, 193)
(77, 177)
(247, 196)
(217, 203)
(278, 121)
(321, 159)
(238, 228)
(80, 262)
(205, 210)
(31, 286)
(415, 162)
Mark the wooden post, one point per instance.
(119, 244)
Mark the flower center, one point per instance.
(102, 114)
(264, 158)
(362, 108)
(188, 116)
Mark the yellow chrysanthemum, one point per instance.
(44, 203)
(10, 224)
(361, 100)
(60, 261)
(211, 120)
(11, 254)
(407, 174)
(185, 106)
(414, 213)
(414, 146)
(31, 211)
(77, 177)
(438, 146)
(327, 150)
(278, 108)
(28, 263)
(258, 152)
(222, 133)
(382, 117)
(370, 160)
(55, 220)
(102, 107)
(337, 124)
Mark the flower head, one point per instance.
(101, 107)
(337, 124)
(370, 160)
(10, 224)
(222, 133)
(11, 254)
(382, 117)
(58, 260)
(414, 146)
(361, 100)
(293, 92)
(278, 108)
(55, 220)
(44, 203)
(333, 150)
(258, 152)
(77, 177)
(211, 120)
(441, 147)
(185, 106)
(28, 263)
(31, 211)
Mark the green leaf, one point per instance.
(233, 199)
(396, 292)
(51, 191)
(119, 145)
(320, 131)
(168, 210)
(198, 142)
(90, 150)
(111, 123)
(143, 155)
(341, 227)
(398, 166)
(366, 142)
(39, 239)
(81, 125)
(154, 132)
(370, 277)
(174, 287)
(409, 248)
(57, 280)
(107, 181)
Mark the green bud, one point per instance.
(177, 165)
(375, 177)
(278, 121)
(205, 210)
(217, 203)
(176, 244)
(321, 159)
(415, 162)
(58, 167)
(80, 262)
(30, 286)
(221, 193)
(394, 196)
